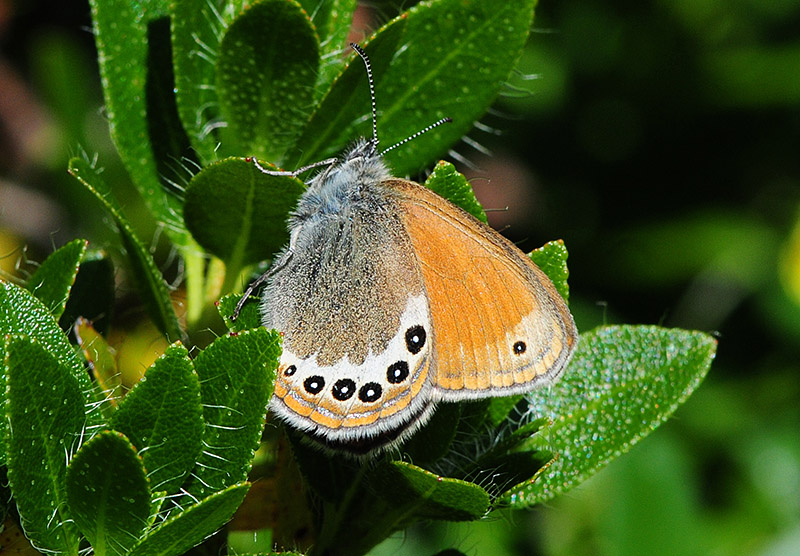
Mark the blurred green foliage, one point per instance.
(659, 139)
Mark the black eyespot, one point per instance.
(415, 339)
(397, 372)
(290, 370)
(519, 348)
(314, 384)
(370, 392)
(343, 389)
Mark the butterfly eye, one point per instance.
(519, 348)
(397, 372)
(370, 392)
(415, 339)
(314, 384)
(343, 389)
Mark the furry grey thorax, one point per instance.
(342, 185)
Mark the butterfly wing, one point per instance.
(350, 303)
(500, 327)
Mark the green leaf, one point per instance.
(511, 472)
(455, 55)
(238, 213)
(108, 493)
(406, 486)
(22, 313)
(466, 445)
(46, 418)
(151, 284)
(236, 374)
(266, 71)
(493, 449)
(332, 20)
(52, 281)
(249, 317)
(507, 442)
(622, 383)
(330, 128)
(92, 295)
(499, 408)
(511, 459)
(162, 417)
(552, 259)
(197, 28)
(132, 40)
(453, 186)
(458, 56)
(190, 527)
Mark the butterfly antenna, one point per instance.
(417, 134)
(374, 141)
(364, 57)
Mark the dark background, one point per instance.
(660, 140)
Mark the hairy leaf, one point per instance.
(108, 493)
(266, 70)
(190, 527)
(162, 417)
(622, 383)
(147, 275)
(46, 417)
(53, 280)
(236, 374)
(238, 213)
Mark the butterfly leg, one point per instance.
(255, 284)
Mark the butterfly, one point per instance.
(391, 299)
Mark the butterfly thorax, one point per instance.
(348, 183)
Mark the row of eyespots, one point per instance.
(344, 388)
